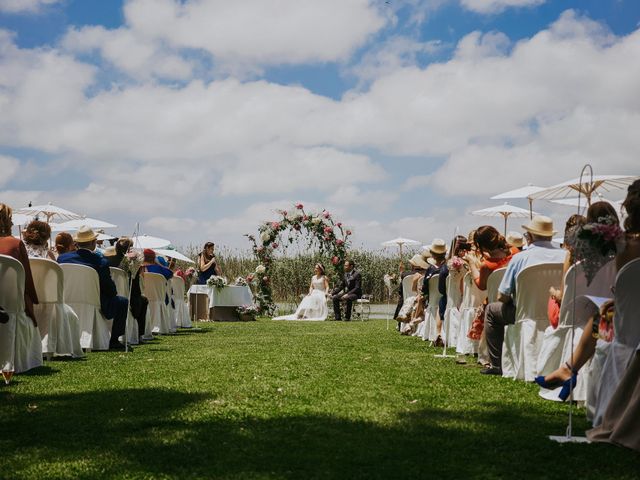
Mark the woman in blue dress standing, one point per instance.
(207, 265)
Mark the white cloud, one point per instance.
(375, 200)
(9, 166)
(497, 6)
(25, 6)
(259, 32)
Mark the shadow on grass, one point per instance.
(151, 433)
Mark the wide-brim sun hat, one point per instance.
(540, 225)
(515, 239)
(85, 234)
(418, 261)
(109, 252)
(438, 247)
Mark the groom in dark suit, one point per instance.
(350, 290)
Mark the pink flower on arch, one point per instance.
(348, 232)
(274, 245)
(326, 214)
(335, 260)
(275, 225)
(339, 242)
(305, 218)
(299, 206)
(339, 224)
(328, 229)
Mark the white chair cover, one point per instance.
(407, 283)
(472, 298)
(82, 294)
(556, 345)
(121, 279)
(523, 340)
(431, 314)
(626, 327)
(158, 314)
(452, 312)
(58, 324)
(182, 309)
(20, 345)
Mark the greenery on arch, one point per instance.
(329, 236)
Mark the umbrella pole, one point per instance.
(530, 208)
(505, 225)
(401, 267)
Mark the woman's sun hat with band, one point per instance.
(418, 261)
(540, 225)
(438, 247)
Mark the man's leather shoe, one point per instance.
(118, 347)
(491, 371)
(4, 316)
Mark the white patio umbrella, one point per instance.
(400, 241)
(76, 224)
(587, 187)
(51, 212)
(172, 254)
(146, 241)
(522, 192)
(574, 202)
(20, 219)
(504, 211)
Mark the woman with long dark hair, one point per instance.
(207, 264)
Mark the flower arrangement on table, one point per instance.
(331, 237)
(251, 310)
(217, 282)
(596, 243)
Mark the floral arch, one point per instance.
(331, 237)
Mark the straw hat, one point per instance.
(515, 239)
(438, 247)
(85, 235)
(109, 252)
(418, 261)
(540, 225)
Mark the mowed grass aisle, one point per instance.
(287, 400)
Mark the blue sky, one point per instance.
(198, 119)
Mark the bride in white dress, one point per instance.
(314, 305)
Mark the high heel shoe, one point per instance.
(567, 387)
(548, 385)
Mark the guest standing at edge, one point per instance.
(207, 264)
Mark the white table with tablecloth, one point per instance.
(220, 303)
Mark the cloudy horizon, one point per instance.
(200, 119)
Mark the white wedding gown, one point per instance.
(313, 306)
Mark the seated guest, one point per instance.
(515, 240)
(494, 253)
(503, 312)
(64, 243)
(418, 266)
(407, 314)
(112, 305)
(138, 303)
(349, 290)
(438, 251)
(631, 250)
(35, 237)
(152, 266)
(13, 247)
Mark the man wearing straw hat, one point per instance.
(111, 304)
(503, 312)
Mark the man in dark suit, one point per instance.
(111, 305)
(349, 290)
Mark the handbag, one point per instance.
(553, 312)
(477, 326)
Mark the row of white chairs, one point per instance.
(531, 346)
(68, 312)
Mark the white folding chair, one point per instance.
(556, 344)
(626, 327)
(472, 298)
(493, 282)
(523, 339)
(121, 279)
(158, 315)
(20, 345)
(82, 294)
(452, 312)
(431, 313)
(181, 308)
(58, 324)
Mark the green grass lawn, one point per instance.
(287, 400)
